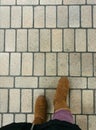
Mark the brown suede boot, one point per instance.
(61, 95)
(40, 110)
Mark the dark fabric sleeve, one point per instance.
(17, 126)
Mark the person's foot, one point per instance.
(61, 94)
(40, 110)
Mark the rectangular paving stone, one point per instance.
(75, 64)
(80, 40)
(62, 16)
(92, 40)
(39, 64)
(10, 40)
(27, 17)
(50, 64)
(92, 122)
(91, 1)
(6, 82)
(4, 63)
(27, 2)
(0, 120)
(15, 60)
(82, 82)
(20, 118)
(48, 82)
(22, 40)
(74, 118)
(74, 16)
(39, 16)
(71, 2)
(95, 102)
(56, 40)
(68, 40)
(26, 82)
(51, 2)
(86, 18)
(87, 69)
(94, 64)
(16, 17)
(37, 92)
(27, 63)
(94, 16)
(50, 16)
(26, 100)
(49, 117)
(75, 101)
(14, 100)
(92, 83)
(67, 100)
(4, 17)
(45, 40)
(7, 2)
(3, 100)
(1, 40)
(30, 117)
(33, 40)
(7, 119)
(87, 102)
(62, 64)
(81, 120)
(50, 96)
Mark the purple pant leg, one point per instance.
(63, 115)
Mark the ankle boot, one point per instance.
(61, 95)
(40, 110)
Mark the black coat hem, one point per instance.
(50, 125)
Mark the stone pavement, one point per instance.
(40, 41)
